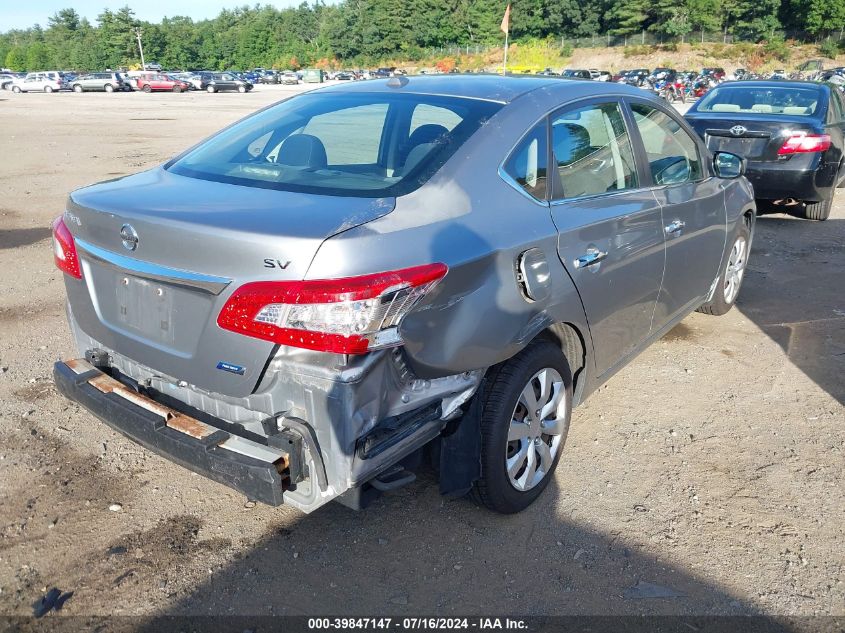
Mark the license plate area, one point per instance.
(145, 307)
(746, 147)
(164, 316)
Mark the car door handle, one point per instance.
(674, 226)
(588, 259)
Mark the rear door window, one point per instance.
(592, 151)
(672, 153)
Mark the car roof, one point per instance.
(499, 88)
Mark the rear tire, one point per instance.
(730, 281)
(519, 448)
(147, 88)
(16, 89)
(819, 211)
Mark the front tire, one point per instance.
(109, 88)
(525, 419)
(177, 88)
(48, 89)
(77, 88)
(16, 89)
(242, 89)
(210, 90)
(730, 281)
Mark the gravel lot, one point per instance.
(712, 466)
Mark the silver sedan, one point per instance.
(311, 302)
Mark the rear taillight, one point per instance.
(801, 143)
(64, 249)
(346, 316)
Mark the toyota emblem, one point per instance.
(738, 130)
(129, 237)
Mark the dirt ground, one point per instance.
(711, 467)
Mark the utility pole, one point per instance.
(138, 33)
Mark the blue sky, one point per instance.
(16, 14)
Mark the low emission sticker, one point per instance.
(231, 368)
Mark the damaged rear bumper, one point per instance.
(259, 471)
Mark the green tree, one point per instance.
(37, 56)
(626, 17)
(16, 59)
(821, 16)
(116, 38)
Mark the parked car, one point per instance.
(199, 80)
(716, 72)
(636, 77)
(6, 80)
(106, 82)
(571, 73)
(790, 132)
(45, 81)
(660, 73)
(220, 82)
(447, 279)
(268, 77)
(155, 82)
(289, 78)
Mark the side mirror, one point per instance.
(728, 165)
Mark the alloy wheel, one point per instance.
(538, 424)
(735, 269)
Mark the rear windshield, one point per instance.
(331, 143)
(762, 100)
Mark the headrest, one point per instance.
(725, 107)
(302, 150)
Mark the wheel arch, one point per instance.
(572, 343)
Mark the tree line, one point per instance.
(369, 31)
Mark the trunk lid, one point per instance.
(161, 253)
(754, 138)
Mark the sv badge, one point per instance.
(275, 263)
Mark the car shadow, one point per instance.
(414, 553)
(793, 291)
(14, 238)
